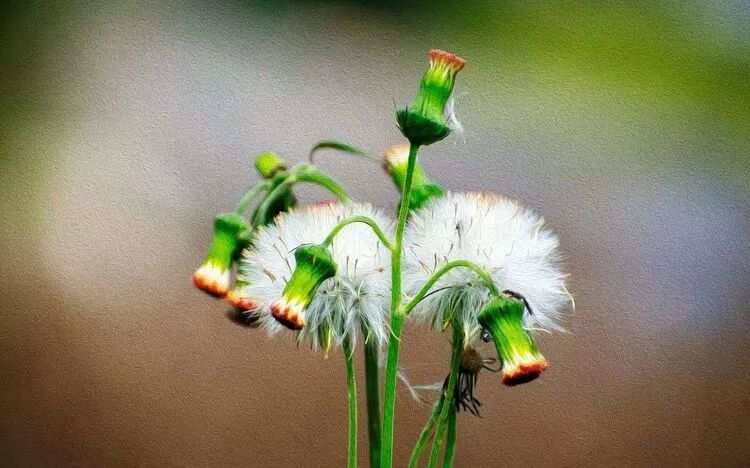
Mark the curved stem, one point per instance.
(278, 191)
(358, 219)
(443, 418)
(397, 316)
(339, 146)
(483, 275)
(450, 443)
(251, 194)
(352, 393)
(372, 388)
(304, 173)
(424, 436)
(311, 175)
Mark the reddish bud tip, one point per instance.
(235, 298)
(211, 281)
(288, 315)
(441, 57)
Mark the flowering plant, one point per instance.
(333, 273)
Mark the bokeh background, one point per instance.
(124, 127)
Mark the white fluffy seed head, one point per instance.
(503, 238)
(359, 294)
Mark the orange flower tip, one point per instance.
(524, 371)
(289, 315)
(212, 280)
(237, 300)
(441, 57)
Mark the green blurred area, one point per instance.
(677, 63)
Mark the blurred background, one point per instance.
(124, 128)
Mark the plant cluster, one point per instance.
(475, 266)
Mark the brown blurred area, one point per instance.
(126, 128)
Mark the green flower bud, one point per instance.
(395, 162)
(423, 121)
(314, 265)
(268, 164)
(502, 317)
(214, 274)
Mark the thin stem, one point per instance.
(278, 191)
(307, 173)
(352, 393)
(303, 173)
(358, 219)
(339, 146)
(397, 317)
(372, 388)
(483, 275)
(455, 362)
(251, 194)
(424, 436)
(450, 443)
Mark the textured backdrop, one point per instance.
(124, 129)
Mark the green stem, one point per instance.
(311, 175)
(280, 190)
(358, 219)
(424, 436)
(250, 196)
(352, 393)
(483, 275)
(397, 316)
(455, 362)
(372, 388)
(304, 173)
(450, 443)
(339, 146)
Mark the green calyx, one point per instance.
(420, 129)
(502, 317)
(231, 232)
(422, 194)
(268, 164)
(314, 265)
(423, 122)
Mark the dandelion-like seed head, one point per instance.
(509, 242)
(359, 293)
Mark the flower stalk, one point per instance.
(372, 389)
(397, 316)
(448, 391)
(351, 386)
(426, 434)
